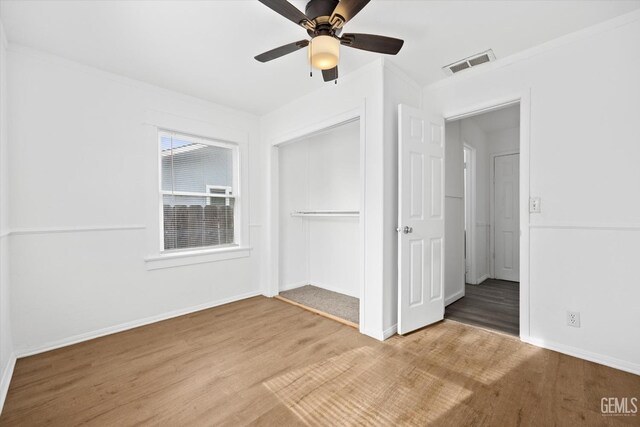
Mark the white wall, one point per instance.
(583, 155)
(83, 158)
(7, 357)
(293, 233)
(458, 133)
(454, 268)
(472, 135)
(502, 141)
(321, 172)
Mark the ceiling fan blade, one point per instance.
(282, 50)
(346, 10)
(372, 43)
(289, 11)
(330, 74)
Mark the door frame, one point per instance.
(492, 208)
(357, 114)
(470, 237)
(522, 98)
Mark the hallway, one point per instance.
(493, 304)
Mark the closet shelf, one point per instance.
(326, 213)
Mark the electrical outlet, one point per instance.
(534, 205)
(573, 319)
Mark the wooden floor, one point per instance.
(265, 362)
(493, 304)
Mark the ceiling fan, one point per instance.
(323, 20)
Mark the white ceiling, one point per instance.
(497, 120)
(206, 48)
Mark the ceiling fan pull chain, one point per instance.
(310, 64)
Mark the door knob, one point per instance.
(406, 229)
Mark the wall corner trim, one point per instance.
(7, 374)
(381, 335)
(482, 278)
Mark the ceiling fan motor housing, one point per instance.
(320, 9)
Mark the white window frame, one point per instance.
(227, 190)
(230, 194)
(201, 132)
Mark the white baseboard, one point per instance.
(377, 334)
(334, 289)
(453, 298)
(388, 333)
(7, 374)
(482, 278)
(128, 325)
(381, 335)
(612, 362)
(290, 286)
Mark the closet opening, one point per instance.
(320, 242)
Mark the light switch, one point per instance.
(534, 205)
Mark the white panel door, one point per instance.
(420, 219)
(507, 223)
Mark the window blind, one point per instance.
(198, 198)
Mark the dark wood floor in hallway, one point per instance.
(265, 362)
(493, 304)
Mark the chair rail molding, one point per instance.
(80, 229)
(576, 225)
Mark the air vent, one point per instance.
(469, 62)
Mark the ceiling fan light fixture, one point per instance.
(324, 20)
(324, 52)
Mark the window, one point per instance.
(218, 189)
(199, 181)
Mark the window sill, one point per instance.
(178, 259)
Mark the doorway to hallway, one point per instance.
(482, 219)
